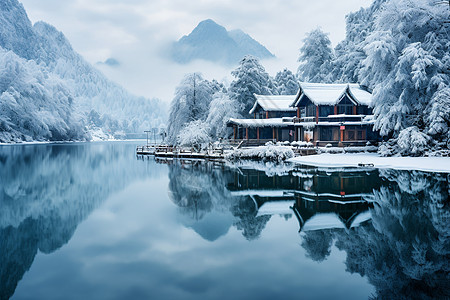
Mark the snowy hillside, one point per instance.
(212, 42)
(93, 100)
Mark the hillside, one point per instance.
(212, 42)
(83, 98)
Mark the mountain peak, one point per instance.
(211, 41)
(208, 28)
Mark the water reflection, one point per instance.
(393, 225)
(47, 190)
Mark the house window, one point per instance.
(351, 135)
(360, 135)
(302, 112)
(311, 111)
(345, 109)
(326, 110)
(308, 135)
(326, 134)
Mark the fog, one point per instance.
(138, 33)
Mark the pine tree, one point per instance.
(315, 57)
(251, 78)
(286, 83)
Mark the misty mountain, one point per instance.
(50, 92)
(212, 42)
(111, 62)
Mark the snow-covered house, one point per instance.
(317, 198)
(338, 114)
(272, 119)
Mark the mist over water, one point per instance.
(95, 221)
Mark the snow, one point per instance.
(276, 208)
(276, 122)
(323, 221)
(361, 218)
(330, 94)
(265, 153)
(427, 164)
(270, 168)
(259, 193)
(50, 93)
(274, 103)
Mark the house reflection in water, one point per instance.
(319, 199)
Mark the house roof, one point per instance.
(274, 102)
(322, 221)
(274, 122)
(332, 93)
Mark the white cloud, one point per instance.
(137, 32)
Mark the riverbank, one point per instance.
(427, 164)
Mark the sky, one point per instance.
(137, 33)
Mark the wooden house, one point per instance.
(337, 114)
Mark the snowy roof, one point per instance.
(276, 208)
(274, 103)
(323, 221)
(332, 93)
(275, 122)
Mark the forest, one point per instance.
(397, 49)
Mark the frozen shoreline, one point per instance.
(428, 164)
(67, 142)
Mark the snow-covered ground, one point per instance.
(430, 164)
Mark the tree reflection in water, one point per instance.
(393, 225)
(46, 191)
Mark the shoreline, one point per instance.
(426, 164)
(66, 142)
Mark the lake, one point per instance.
(93, 221)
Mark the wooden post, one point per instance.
(246, 133)
(354, 110)
(254, 115)
(335, 109)
(267, 114)
(298, 112)
(317, 114)
(234, 132)
(273, 133)
(257, 133)
(295, 134)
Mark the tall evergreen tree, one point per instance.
(251, 78)
(286, 83)
(407, 63)
(315, 57)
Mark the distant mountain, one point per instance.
(111, 62)
(212, 42)
(50, 92)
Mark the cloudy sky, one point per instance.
(137, 33)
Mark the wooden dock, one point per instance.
(172, 152)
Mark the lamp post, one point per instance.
(147, 132)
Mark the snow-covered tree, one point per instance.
(438, 115)
(191, 102)
(34, 104)
(315, 57)
(407, 63)
(250, 78)
(221, 109)
(88, 87)
(350, 52)
(195, 135)
(286, 83)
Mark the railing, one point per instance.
(250, 142)
(331, 118)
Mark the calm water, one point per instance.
(93, 221)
